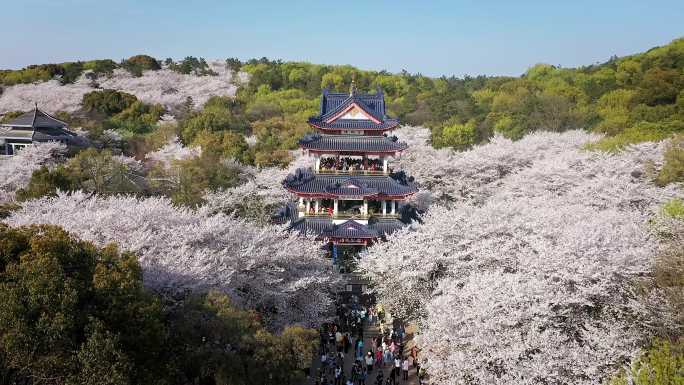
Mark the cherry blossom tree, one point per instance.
(280, 274)
(173, 150)
(16, 171)
(527, 271)
(260, 195)
(165, 87)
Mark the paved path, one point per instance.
(368, 333)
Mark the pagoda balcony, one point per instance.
(328, 171)
(329, 213)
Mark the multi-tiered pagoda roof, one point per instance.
(351, 195)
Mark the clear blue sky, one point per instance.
(430, 37)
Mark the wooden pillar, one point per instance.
(384, 207)
(384, 164)
(318, 163)
(308, 205)
(318, 205)
(365, 207)
(394, 203)
(335, 207)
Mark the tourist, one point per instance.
(338, 375)
(379, 379)
(405, 368)
(388, 355)
(369, 361)
(421, 376)
(397, 365)
(392, 377)
(339, 340)
(417, 366)
(411, 361)
(378, 357)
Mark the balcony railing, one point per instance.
(324, 171)
(348, 215)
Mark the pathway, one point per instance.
(369, 331)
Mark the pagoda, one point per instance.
(351, 197)
(33, 127)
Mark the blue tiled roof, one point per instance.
(351, 143)
(351, 124)
(306, 182)
(333, 101)
(324, 228)
(350, 229)
(374, 104)
(378, 114)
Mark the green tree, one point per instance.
(107, 102)
(90, 170)
(69, 308)
(662, 364)
(460, 136)
(135, 65)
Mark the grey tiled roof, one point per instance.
(306, 182)
(39, 126)
(351, 143)
(36, 118)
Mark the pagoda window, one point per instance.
(375, 207)
(351, 208)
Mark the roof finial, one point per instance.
(36, 103)
(352, 87)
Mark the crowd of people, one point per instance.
(386, 351)
(350, 164)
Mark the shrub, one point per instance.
(138, 118)
(673, 166)
(107, 102)
(10, 115)
(640, 132)
(674, 208)
(192, 65)
(101, 67)
(660, 365)
(135, 65)
(233, 64)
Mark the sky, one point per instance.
(430, 37)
